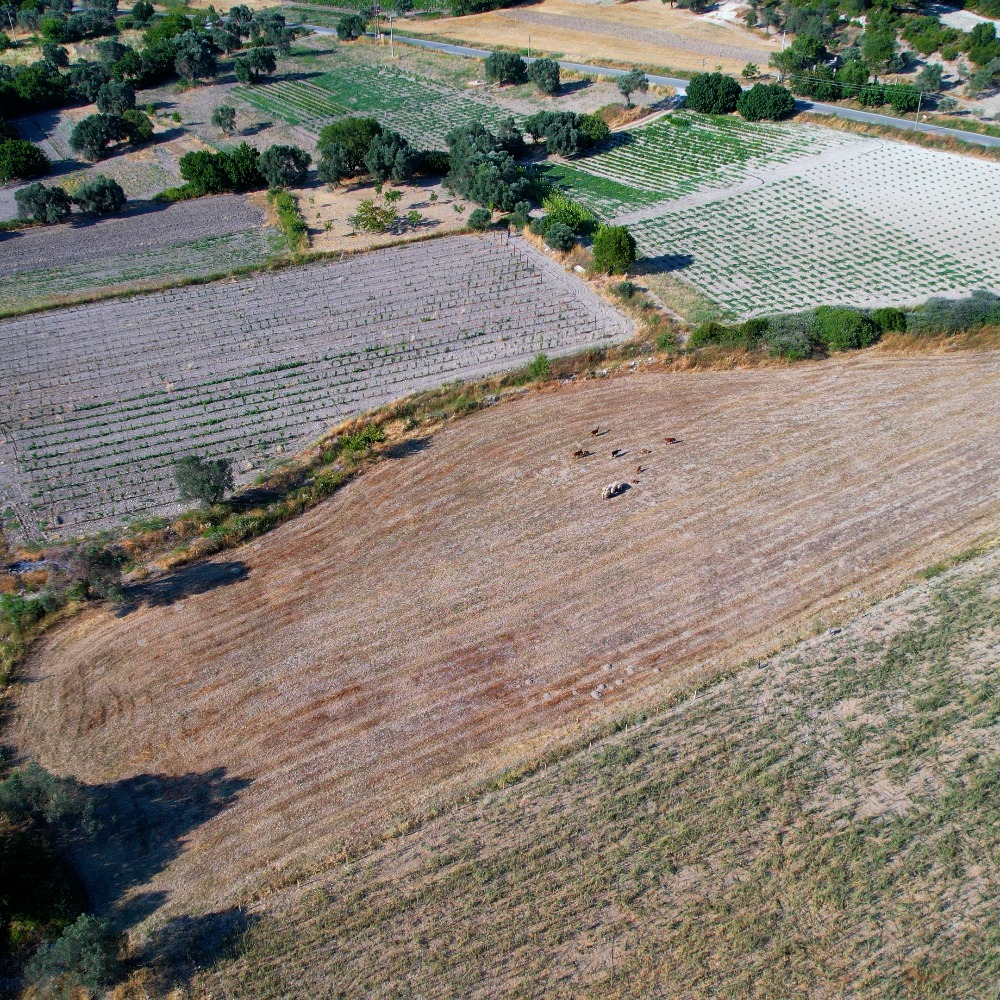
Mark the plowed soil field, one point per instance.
(463, 608)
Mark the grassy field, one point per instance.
(420, 108)
(822, 824)
(682, 153)
(507, 609)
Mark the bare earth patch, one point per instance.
(465, 608)
(646, 32)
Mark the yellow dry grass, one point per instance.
(646, 32)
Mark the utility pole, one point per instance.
(529, 46)
(916, 117)
(378, 33)
(13, 34)
(392, 50)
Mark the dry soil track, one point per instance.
(453, 611)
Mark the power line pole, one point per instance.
(392, 50)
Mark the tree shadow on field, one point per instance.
(188, 944)
(664, 263)
(142, 824)
(185, 582)
(403, 449)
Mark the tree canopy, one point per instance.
(203, 480)
(713, 94)
(505, 67)
(20, 160)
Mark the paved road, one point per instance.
(681, 87)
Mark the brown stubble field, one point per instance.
(451, 614)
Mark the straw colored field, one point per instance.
(825, 824)
(646, 32)
(466, 607)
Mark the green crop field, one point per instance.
(419, 108)
(682, 153)
(189, 259)
(792, 245)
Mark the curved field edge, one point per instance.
(825, 820)
(444, 694)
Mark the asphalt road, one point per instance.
(681, 87)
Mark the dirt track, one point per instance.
(452, 613)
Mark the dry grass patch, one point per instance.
(645, 32)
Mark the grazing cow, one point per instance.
(671, 441)
(581, 453)
(638, 468)
(596, 431)
(615, 452)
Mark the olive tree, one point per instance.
(100, 196)
(634, 80)
(224, 118)
(614, 250)
(283, 166)
(544, 74)
(205, 480)
(42, 204)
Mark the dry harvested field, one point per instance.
(99, 400)
(464, 608)
(646, 32)
(824, 824)
(161, 243)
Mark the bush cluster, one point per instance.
(566, 133)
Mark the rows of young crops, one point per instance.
(189, 259)
(103, 398)
(422, 110)
(793, 245)
(682, 153)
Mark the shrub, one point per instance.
(293, 225)
(42, 204)
(100, 196)
(889, 320)
(560, 237)
(540, 368)
(766, 101)
(505, 67)
(481, 219)
(85, 956)
(625, 290)
(18, 614)
(614, 250)
(224, 118)
(541, 225)
(204, 480)
(843, 329)
(350, 26)
(115, 98)
(791, 336)
(283, 166)
(20, 160)
(544, 74)
(713, 94)
(595, 128)
(561, 209)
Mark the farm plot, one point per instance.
(188, 239)
(449, 616)
(769, 218)
(417, 107)
(682, 153)
(792, 245)
(99, 400)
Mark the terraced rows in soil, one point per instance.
(450, 614)
(101, 399)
